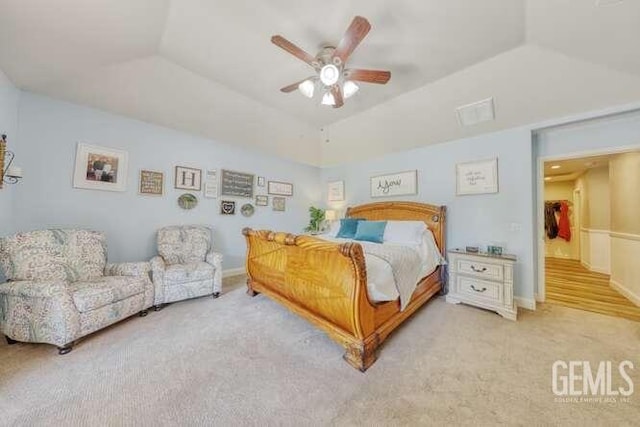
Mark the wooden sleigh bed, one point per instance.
(326, 282)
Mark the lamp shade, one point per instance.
(330, 215)
(328, 99)
(307, 88)
(349, 89)
(14, 172)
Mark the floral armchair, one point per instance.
(60, 287)
(186, 266)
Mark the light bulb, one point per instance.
(329, 75)
(306, 88)
(328, 99)
(349, 88)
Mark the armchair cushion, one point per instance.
(184, 244)
(191, 272)
(53, 255)
(95, 293)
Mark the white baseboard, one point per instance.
(537, 297)
(600, 270)
(630, 295)
(529, 304)
(585, 265)
(233, 272)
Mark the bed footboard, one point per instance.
(322, 281)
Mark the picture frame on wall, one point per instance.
(151, 183)
(278, 188)
(395, 184)
(261, 181)
(335, 191)
(227, 207)
(187, 178)
(279, 204)
(262, 200)
(211, 184)
(478, 177)
(100, 168)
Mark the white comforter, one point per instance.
(419, 261)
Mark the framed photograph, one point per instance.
(188, 178)
(187, 201)
(395, 184)
(336, 191)
(477, 177)
(151, 183)
(100, 168)
(279, 203)
(262, 200)
(280, 188)
(227, 207)
(211, 184)
(261, 181)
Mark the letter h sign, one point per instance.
(188, 178)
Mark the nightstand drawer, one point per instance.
(481, 269)
(480, 290)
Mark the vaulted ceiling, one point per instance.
(208, 67)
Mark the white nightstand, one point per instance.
(482, 280)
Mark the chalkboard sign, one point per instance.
(236, 184)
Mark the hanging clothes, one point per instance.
(564, 225)
(550, 223)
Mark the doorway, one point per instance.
(587, 212)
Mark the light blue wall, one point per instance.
(9, 98)
(49, 132)
(622, 130)
(504, 218)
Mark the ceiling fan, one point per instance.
(336, 81)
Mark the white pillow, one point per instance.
(404, 232)
(334, 228)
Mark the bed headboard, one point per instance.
(434, 216)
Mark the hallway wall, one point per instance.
(625, 224)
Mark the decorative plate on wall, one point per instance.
(187, 201)
(247, 209)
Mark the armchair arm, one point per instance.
(28, 289)
(215, 259)
(38, 312)
(158, 268)
(128, 269)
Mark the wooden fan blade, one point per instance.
(336, 90)
(285, 44)
(356, 32)
(294, 86)
(368, 76)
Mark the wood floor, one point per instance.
(568, 283)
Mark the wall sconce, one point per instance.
(10, 174)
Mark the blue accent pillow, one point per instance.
(348, 227)
(371, 231)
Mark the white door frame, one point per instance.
(540, 292)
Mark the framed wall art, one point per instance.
(261, 181)
(236, 184)
(335, 191)
(227, 207)
(211, 184)
(395, 184)
(188, 178)
(279, 203)
(262, 200)
(151, 183)
(100, 168)
(278, 188)
(479, 177)
(187, 201)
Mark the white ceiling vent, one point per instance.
(478, 112)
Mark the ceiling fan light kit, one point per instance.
(336, 82)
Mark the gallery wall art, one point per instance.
(100, 168)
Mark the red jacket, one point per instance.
(564, 225)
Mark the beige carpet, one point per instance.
(247, 361)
